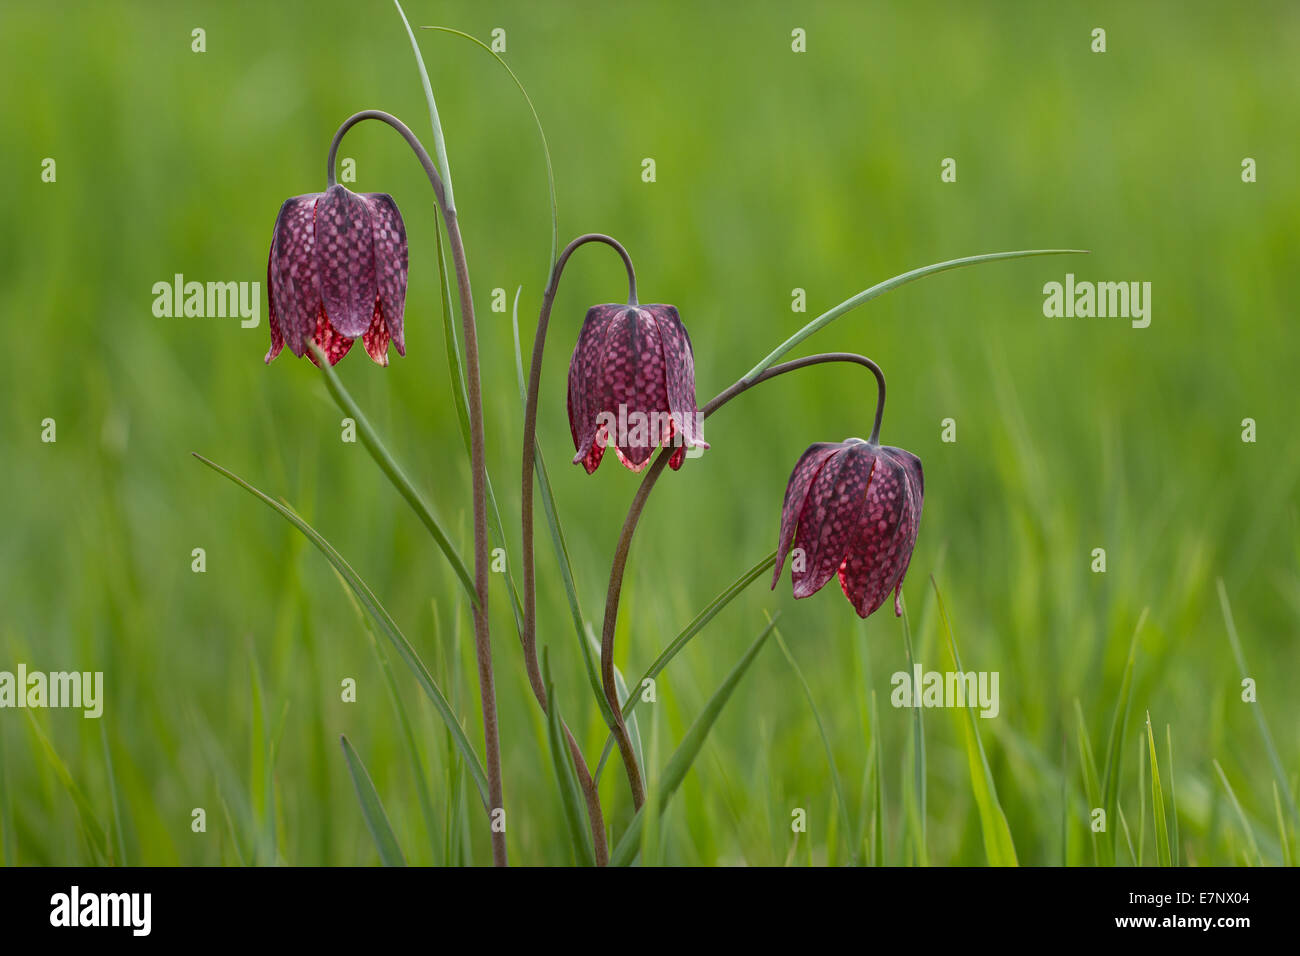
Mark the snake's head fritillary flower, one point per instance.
(337, 272)
(852, 507)
(632, 385)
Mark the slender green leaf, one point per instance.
(730, 593)
(1279, 773)
(451, 344)
(1114, 750)
(621, 690)
(546, 149)
(403, 718)
(1163, 856)
(8, 838)
(916, 812)
(382, 618)
(1142, 806)
(375, 446)
(680, 762)
(566, 777)
(998, 845)
(1092, 788)
(1241, 814)
(1282, 836)
(91, 828)
(372, 809)
(1065, 803)
(878, 786)
(836, 782)
(1173, 796)
(439, 143)
(114, 798)
(826, 318)
(1128, 836)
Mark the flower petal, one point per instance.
(633, 386)
(829, 522)
(796, 491)
(679, 373)
(295, 285)
(584, 383)
(345, 258)
(376, 337)
(390, 262)
(329, 340)
(273, 320)
(886, 533)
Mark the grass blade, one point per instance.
(1241, 814)
(1163, 856)
(1065, 803)
(403, 718)
(372, 809)
(452, 346)
(680, 762)
(389, 466)
(1173, 797)
(382, 618)
(826, 743)
(1114, 752)
(710, 611)
(1278, 773)
(439, 143)
(8, 838)
(566, 777)
(546, 149)
(998, 845)
(116, 803)
(880, 288)
(878, 787)
(1092, 789)
(91, 829)
(1281, 828)
(917, 812)
(1128, 837)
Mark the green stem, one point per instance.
(621, 550)
(482, 633)
(826, 318)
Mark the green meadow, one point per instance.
(1097, 529)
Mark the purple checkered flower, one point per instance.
(336, 273)
(632, 385)
(852, 507)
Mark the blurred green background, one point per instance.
(775, 171)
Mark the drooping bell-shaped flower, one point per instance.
(632, 385)
(336, 273)
(852, 507)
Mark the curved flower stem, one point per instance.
(482, 634)
(529, 635)
(638, 505)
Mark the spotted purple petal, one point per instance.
(633, 386)
(295, 288)
(829, 521)
(376, 338)
(329, 340)
(679, 364)
(390, 263)
(584, 384)
(273, 320)
(796, 492)
(886, 534)
(345, 258)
